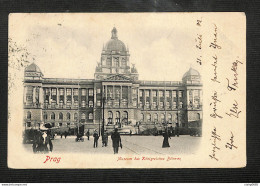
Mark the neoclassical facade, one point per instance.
(115, 90)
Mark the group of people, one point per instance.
(42, 141)
(115, 136)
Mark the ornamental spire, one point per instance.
(114, 33)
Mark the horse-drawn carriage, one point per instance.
(195, 128)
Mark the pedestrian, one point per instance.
(66, 134)
(95, 135)
(61, 134)
(116, 139)
(105, 138)
(48, 140)
(165, 139)
(87, 134)
(130, 133)
(177, 129)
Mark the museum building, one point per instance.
(115, 91)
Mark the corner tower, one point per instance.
(115, 60)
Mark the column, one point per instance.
(106, 91)
(49, 95)
(41, 98)
(34, 94)
(128, 97)
(65, 96)
(113, 92)
(164, 99)
(24, 94)
(151, 99)
(72, 97)
(58, 96)
(138, 97)
(158, 99)
(121, 93)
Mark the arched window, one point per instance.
(60, 116)
(90, 116)
(198, 116)
(162, 118)
(45, 116)
(83, 116)
(53, 116)
(125, 117)
(148, 117)
(142, 117)
(76, 116)
(29, 115)
(155, 117)
(68, 116)
(110, 117)
(117, 117)
(169, 118)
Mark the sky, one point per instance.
(161, 46)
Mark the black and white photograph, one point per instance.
(136, 90)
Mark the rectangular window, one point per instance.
(83, 92)
(174, 105)
(154, 104)
(98, 103)
(98, 91)
(167, 105)
(90, 92)
(90, 103)
(90, 116)
(61, 91)
(161, 104)
(75, 92)
(68, 95)
(180, 93)
(160, 93)
(154, 94)
(181, 105)
(167, 93)
(141, 93)
(83, 104)
(147, 93)
(174, 94)
(147, 104)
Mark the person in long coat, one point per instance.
(165, 140)
(105, 139)
(116, 139)
(87, 134)
(95, 135)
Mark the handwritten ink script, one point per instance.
(233, 86)
(230, 145)
(214, 44)
(198, 41)
(215, 65)
(234, 110)
(215, 148)
(214, 104)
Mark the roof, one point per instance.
(32, 68)
(114, 44)
(191, 72)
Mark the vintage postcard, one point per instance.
(126, 90)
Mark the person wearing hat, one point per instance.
(105, 138)
(165, 139)
(95, 135)
(116, 139)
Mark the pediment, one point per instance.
(118, 77)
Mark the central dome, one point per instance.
(114, 44)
